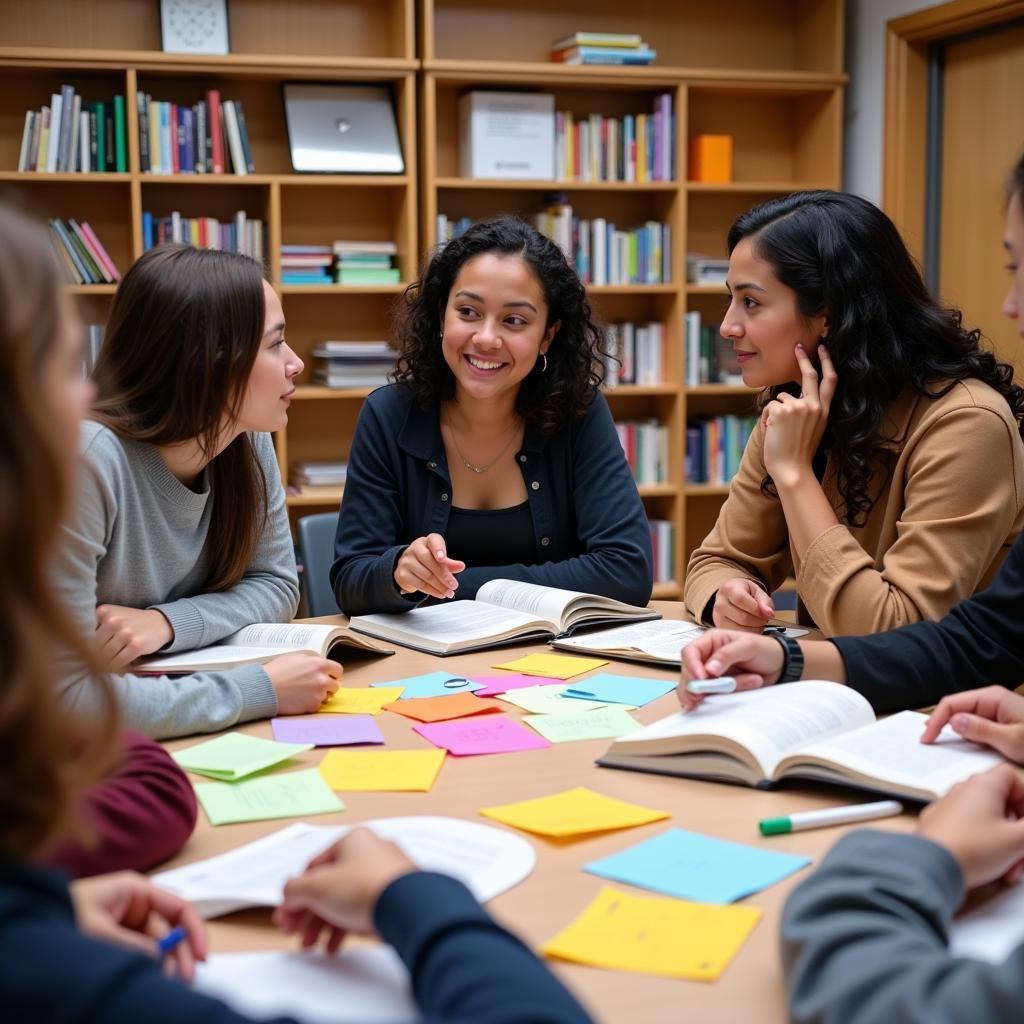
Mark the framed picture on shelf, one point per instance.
(194, 26)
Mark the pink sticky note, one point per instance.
(487, 735)
(327, 731)
(494, 685)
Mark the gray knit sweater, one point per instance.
(137, 537)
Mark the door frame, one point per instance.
(907, 43)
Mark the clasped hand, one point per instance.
(793, 427)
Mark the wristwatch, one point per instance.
(792, 659)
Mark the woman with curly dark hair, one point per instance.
(493, 455)
(887, 470)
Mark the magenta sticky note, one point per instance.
(328, 731)
(490, 734)
(493, 685)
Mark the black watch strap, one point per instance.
(792, 659)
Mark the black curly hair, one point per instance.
(547, 400)
(845, 260)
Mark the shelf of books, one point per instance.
(634, 136)
(153, 146)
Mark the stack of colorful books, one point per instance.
(362, 263)
(72, 134)
(602, 48)
(82, 256)
(353, 364)
(307, 264)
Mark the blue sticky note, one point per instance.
(690, 866)
(609, 689)
(434, 684)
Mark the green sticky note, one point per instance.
(602, 723)
(288, 795)
(235, 755)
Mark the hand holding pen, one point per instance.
(127, 910)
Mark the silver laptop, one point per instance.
(342, 129)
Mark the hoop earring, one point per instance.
(543, 362)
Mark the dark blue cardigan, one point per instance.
(464, 967)
(589, 524)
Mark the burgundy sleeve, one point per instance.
(138, 816)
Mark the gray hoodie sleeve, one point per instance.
(865, 941)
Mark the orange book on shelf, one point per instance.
(710, 159)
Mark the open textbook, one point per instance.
(505, 611)
(257, 644)
(808, 730)
(487, 859)
(659, 642)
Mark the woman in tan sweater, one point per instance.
(887, 469)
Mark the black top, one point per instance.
(589, 529)
(493, 536)
(980, 641)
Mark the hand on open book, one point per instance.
(126, 909)
(753, 660)
(992, 715)
(338, 891)
(424, 566)
(980, 823)
(302, 681)
(124, 634)
(741, 604)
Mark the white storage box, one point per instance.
(507, 135)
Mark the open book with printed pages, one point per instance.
(259, 643)
(808, 730)
(504, 612)
(660, 643)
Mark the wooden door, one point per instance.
(982, 137)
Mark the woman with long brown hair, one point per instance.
(89, 952)
(179, 534)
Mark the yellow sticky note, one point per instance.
(353, 701)
(554, 666)
(381, 770)
(574, 812)
(655, 935)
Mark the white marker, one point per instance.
(724, 684)
(830, 816)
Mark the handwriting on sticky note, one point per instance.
(492, 734)
(288, 795)
(655, 935)
(604, 723)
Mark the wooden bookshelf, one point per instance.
(768, 74)
(775, 85)
(109, 47)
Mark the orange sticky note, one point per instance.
(441, 709)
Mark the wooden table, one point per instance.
(751, 988)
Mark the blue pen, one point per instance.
(170, 940)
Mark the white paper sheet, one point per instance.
(364, 985)
(487, 859)
(992, 930)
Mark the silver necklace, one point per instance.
(472, 466)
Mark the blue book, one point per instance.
(148, 237)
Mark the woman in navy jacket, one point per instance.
(494, 455)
